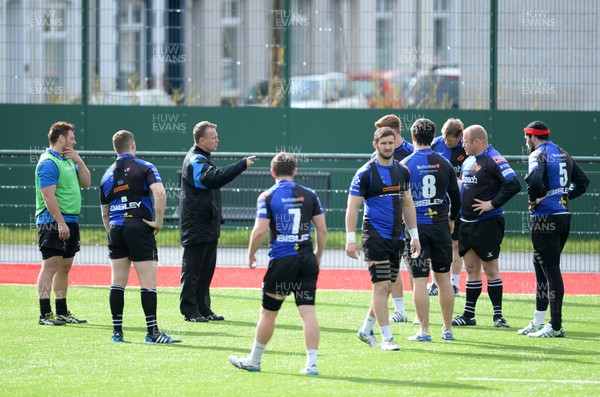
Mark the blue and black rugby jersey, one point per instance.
(400, 153)
(487, 176)
(290, 207)
(125, 187)
(554, 174)
(381, 187)
(456, 155)
(433, 186)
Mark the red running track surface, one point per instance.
(331, 279)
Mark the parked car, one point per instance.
(383, 89)
(435, 89)
(330, 90)
(259, 95)
(150, 97)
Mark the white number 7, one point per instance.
(295, 213)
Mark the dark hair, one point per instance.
(453, 127)
(540, 137)
(122, 141)
(59, 128)
(382, 133)
(423, 131)
(390, 120)
(284, 164)
(201, 128)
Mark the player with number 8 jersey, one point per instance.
(434, 188)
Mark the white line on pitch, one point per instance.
(594, 382)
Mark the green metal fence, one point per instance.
(18, 242)
(510, 54)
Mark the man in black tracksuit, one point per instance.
(201, 219)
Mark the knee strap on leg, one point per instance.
(380, 272)
(270, 303)
(394, 270)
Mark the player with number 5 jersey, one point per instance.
(553, 179)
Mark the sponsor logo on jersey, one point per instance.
(560, 190)
(292, 200)
(460, 158)
(263, 196)
(430, 213)
(387, 189)
(427, 202)
(126, 206)
(507, 172)
(469, 179)
(499, 159)
(562, 201)
(428, 166)
(477, 168)
(292, 238)
(121, 188)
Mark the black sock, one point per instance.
(117, 302)
(494, 288)
(149, 305)
(45, 307)
(61, 306)
(473, 292)
(556, 295)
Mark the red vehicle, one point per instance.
(386, 89)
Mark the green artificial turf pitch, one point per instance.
(81, 359)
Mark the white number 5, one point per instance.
(563, 174)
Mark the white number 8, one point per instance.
(429, 189)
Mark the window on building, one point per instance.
(385, 34)
(52, 20)
(441, 30)
(132, 45)
(298, 20)
(231, 47)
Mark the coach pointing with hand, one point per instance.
(201, 219)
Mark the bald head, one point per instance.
(476, 131)
(475, 140)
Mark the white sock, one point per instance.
(455, 279)
(539, 317)
(257, 352)
(399, 304)
(386, 332)
(368, 324)
(311, 358)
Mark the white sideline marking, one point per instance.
(593, 382)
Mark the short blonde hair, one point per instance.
(389, 120)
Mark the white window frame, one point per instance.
(385, 46)
(127, 26)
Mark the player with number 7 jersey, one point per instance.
(290, 208)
